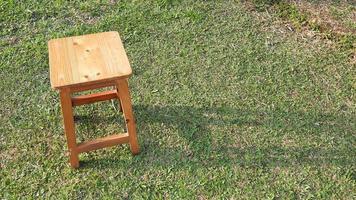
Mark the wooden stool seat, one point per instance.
(89, 62)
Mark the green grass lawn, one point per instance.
(229, 104)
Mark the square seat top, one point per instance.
(78, 60)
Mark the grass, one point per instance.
(331, 20)
(227, 106)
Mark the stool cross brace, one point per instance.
(68, 102)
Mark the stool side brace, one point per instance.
(121, 93)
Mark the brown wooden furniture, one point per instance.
(89, 62)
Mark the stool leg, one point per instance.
(125, 99)
(68, 119)
(120, 106)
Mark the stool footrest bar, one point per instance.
(92, 98)
(103, 142)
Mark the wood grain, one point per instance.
(91, 86)
(69, 128)
(107, 141)
(125, 99)
(87, 59)
(92, 98)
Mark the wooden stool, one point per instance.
(89, 62)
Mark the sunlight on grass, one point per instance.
(227, 106)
